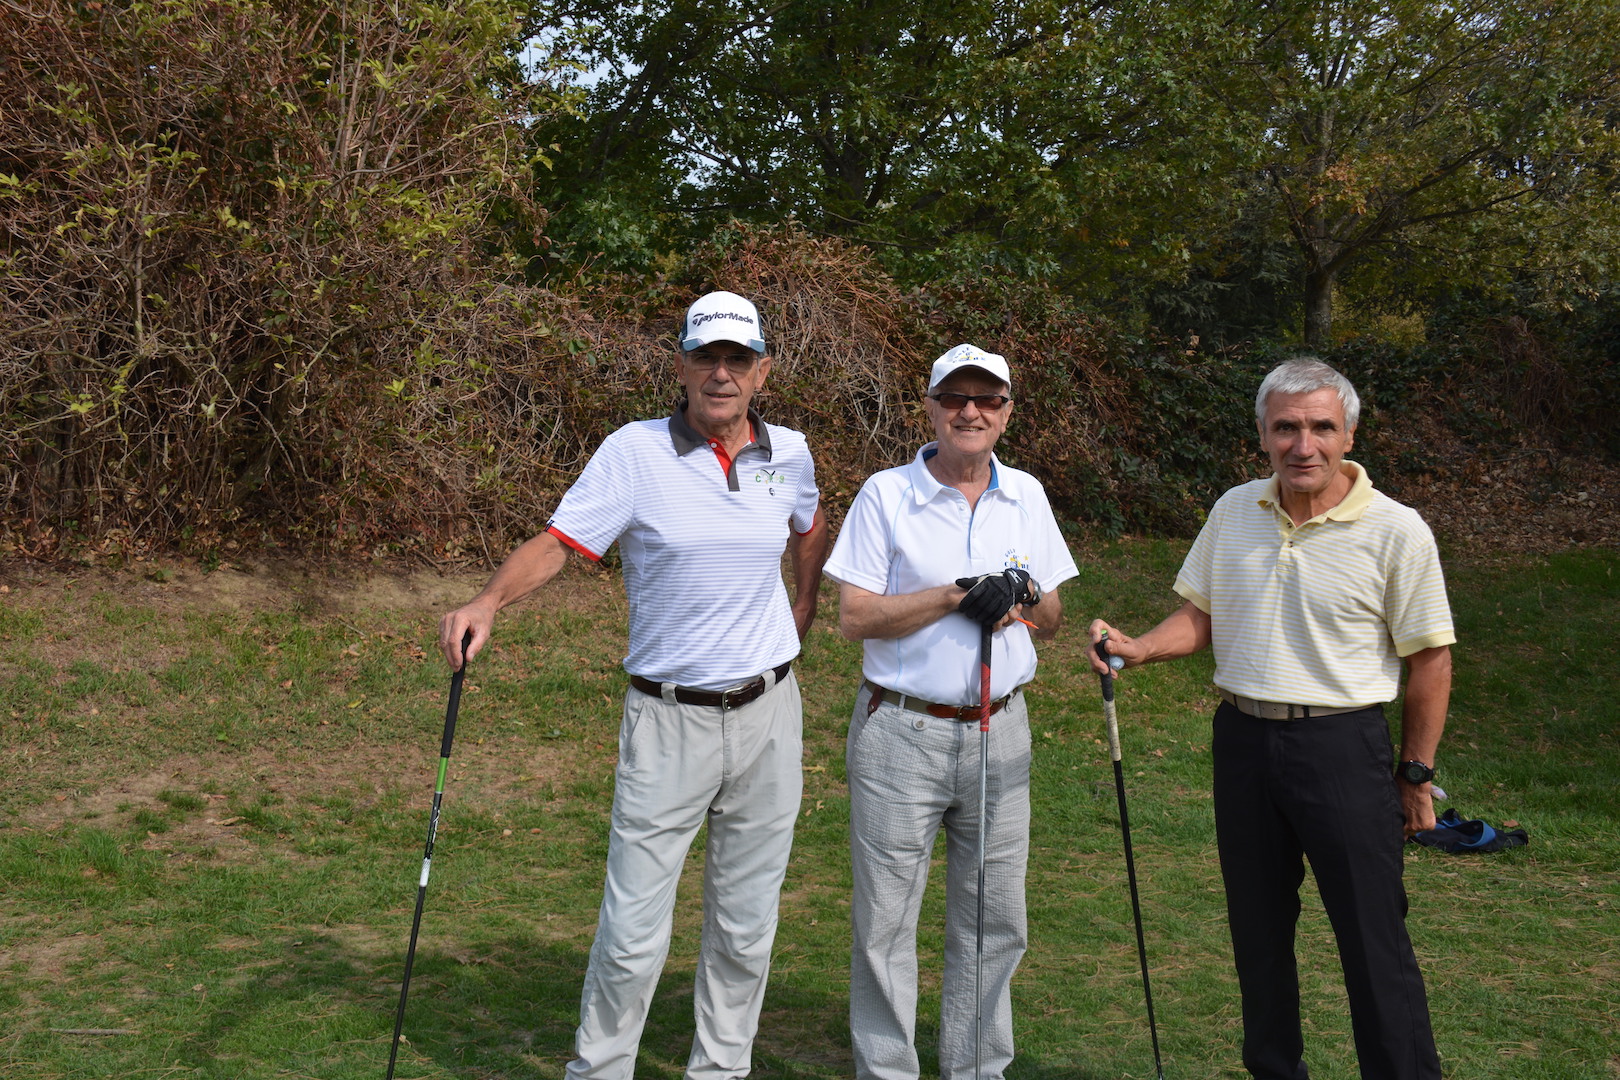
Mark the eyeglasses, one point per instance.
(738, 363)
(985, 402)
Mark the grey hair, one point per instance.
(1301, 375)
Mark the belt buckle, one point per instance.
(739, 690)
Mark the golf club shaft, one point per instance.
(984, 775)
(456, 681)
(1112, 721)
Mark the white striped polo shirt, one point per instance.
(1320, 613)
(701, 538)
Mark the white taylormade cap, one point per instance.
(969, 356)
(722, 316)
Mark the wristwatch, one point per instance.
(1414, 772)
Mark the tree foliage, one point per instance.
(939, 135)
(1171, 149)
(1438, 134)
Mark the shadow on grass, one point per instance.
(498, 1007)
(503, 1008)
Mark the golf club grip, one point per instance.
(459, 677)
(1112, 722)
(985, 645)
(1107, 677)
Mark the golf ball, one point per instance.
(1116, 662)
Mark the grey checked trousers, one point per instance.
(909, 774)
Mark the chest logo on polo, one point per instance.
(770, 479)
(1014, 561)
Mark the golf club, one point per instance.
(433, 828)
(984, 757)
(1115, 663)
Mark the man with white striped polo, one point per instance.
(1311, 588)
(702, 503)
(930, 552)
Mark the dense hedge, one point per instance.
(460, 447)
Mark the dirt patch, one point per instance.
(49, 957)
(176, 584)
(488, 774)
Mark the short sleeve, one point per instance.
(864, 550)
(1195, 580)
(809, 497)
(600, 505)
(1054, 563)
(1415, 605)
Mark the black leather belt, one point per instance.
(732, 697)
(960, 713)
(1276, 710)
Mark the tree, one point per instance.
(1424, 128)
(935, 133)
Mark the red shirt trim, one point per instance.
(725, 458)
(575, 544)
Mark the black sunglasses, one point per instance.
(738, 363)
(985, 402)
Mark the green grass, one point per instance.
(212, 827)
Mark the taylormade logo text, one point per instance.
(699, 320)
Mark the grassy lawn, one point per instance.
(212, 822)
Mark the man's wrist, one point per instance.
(1415, 772)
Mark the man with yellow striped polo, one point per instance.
(1312, 587)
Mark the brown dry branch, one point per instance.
(221, 225)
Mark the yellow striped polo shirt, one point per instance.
(1320, 613)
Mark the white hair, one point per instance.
(1301, 375)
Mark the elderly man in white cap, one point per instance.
(932, 553)
(702, 503)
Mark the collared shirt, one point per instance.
(701, 537)
(1319, 613)
(907, 532)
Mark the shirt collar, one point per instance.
(925, 487)
(686, 438)
(1351, 507)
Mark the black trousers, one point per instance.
(1322, 789)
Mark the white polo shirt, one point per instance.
(907, 532)
(701, 542)
(1319, 613)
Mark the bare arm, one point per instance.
(1423, 719)
(807, 554)
(1182, 633)
(863, 614)
(1047, 616)
(521, 575)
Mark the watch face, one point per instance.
(1415, 772)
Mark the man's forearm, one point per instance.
(1046, 615)
(1182, 633)
(534, 563)
(1428, 696)
(863, 614)
(807, 554)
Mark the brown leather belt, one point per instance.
(732, 697)
(960, 713)
(1276, 710)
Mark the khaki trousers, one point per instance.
(681, 766)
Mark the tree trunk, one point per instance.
(1318, 308)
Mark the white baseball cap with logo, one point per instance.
(722, 316)
(969, 356)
